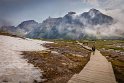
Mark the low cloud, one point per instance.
(4, 22)
(114, 8)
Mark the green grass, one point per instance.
(104, 44)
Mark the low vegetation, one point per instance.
(60, 62)
(113, 50)
(5, 33)
(117, 61)
(66, 57)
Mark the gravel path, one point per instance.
(14, 69)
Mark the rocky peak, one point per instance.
(71, 13)
(26, 23)
(93, 12)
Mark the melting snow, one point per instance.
(14, 69)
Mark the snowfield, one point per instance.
(13, 68)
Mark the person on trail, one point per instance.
(93, 49)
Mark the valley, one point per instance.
(111, 49)
(61, 41)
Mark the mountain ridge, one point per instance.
(70, 26)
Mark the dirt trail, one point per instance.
(14, 69)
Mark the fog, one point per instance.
(113, 8)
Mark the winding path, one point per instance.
(97, 70)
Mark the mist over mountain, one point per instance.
(91, 24)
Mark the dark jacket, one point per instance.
(93, 48)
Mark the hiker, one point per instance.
(93, 49)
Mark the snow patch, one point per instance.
(13, 68)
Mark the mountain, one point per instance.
(46, 29)
(95, 17)
(22, 29)
(27, 26)
(70, 26)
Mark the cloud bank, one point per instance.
(114, 8)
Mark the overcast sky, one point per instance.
(15, 11)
